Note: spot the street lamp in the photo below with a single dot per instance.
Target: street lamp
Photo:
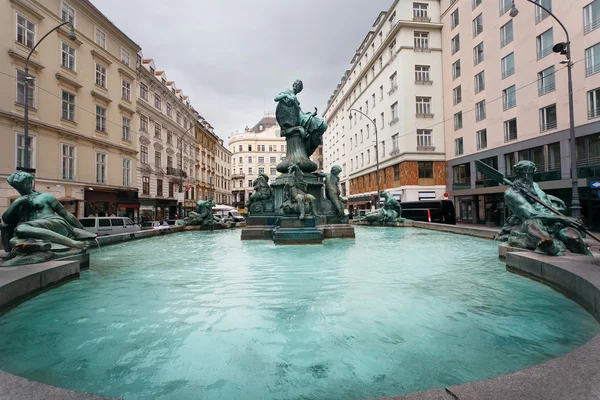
(26, 161)
(376, 149)
(564, 48)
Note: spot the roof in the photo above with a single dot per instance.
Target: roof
(266, 122)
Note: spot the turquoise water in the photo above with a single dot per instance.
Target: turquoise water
(202, 315)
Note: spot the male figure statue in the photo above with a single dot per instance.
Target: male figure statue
(40, 216)
(203, 214)
(297, 188)
(262, 190)
(332, 191)
(540, 228)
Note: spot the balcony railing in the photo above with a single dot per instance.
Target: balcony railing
(544, 52)
(506, 40)
(507, 73)
(508, 104)
(548, 126)
(510, 136)
(395, 151)
(542, 90)
(592, 69)
(238, 176)
(176, 172)
(392, 122)
(591, 26)
(393, 88)
(594, 113)
(582, 162)
(421, 18)
(541, 15)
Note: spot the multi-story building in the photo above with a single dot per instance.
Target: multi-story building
(167, 144)
(395, 78)
(507, 100)
(82, 130)
(254, 151)
(222, 184)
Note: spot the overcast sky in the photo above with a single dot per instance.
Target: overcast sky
(232, 57)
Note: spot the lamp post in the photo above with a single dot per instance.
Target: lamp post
(564, 48)
(376, 150)
(26, 161)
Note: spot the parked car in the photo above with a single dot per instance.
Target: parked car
(159, 225)
(440, 211)
(175, 222)
(227, 212)
(103, 226)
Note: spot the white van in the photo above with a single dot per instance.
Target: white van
(227, 212)
(108, 225)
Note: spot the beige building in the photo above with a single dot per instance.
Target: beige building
(395, 78)
(507, 100)
(254, 151)
(222, 183)
(168, 144)
(83, 132)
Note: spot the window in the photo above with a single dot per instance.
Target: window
(591, 16)
(101, 38)
(505, 5)
(249, 182)
(394, 109)
(458, 146)
(169, 162)
(362, 159)
(273, 171)
(21, 150)
(261, 160)
(481, 139)
(458, 121)
(421, 75)
(159, 187)
(145, 185)
(67, 13)
(68, 106)
(420, 11)
(480, 111)
(272, 160)
(126, 172)
(455, 43)
(540, 14)
(554, 157)
(101, 167)
(382, 120)
(425, 169)
(546, 81)
(125, 89)
(423, 105)
(21, 89)
(250, 170)
(548, 118)
(508, 65)
(476, 3)
(593, 103)
(100, 119)
(424, 138)
(158, 102)
(456, 69)
(544, 43)
(478, 54)
(478, 25)
(381, 92)
(25, 31)
(393, 82)
(592, 60)
(169, 110)
(457, 95)
(392, 49)
(506, 33)
(143, 91)
(250, 160)
(480, 82)
(143, 123)
(68, 161)
(454, 19)
(397, 172)
(421, 40)
(509, 97)
(373, 103)
(510, 130)
(178, 118)
(144, 154)
(395, 147)
(67, 56)
(126, 128)
(125, 56)
(367, 106)
(101, 75)
(157, 159)
(462, 174)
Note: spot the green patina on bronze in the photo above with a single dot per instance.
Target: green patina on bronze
(203, 215)
(536, 222)
(262, 190)
(390, 212)
(36, 222)
(332, 191)
(303, 130)
(298, 200)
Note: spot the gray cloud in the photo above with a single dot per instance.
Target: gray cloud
(233, 56)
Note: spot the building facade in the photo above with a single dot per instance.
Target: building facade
(82, 129)
(507, 100)
(222, 184)
(168, 145)
(395, 78)
(254, 151)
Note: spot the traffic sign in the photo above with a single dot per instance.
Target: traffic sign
(595, 184)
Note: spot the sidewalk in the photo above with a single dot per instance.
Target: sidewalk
(494, 229)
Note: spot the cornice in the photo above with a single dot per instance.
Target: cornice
(102, 57)
(126, 74)
(101, 97)
(29, 8)
(17, 56)
(68, 81)
(126, 109)
(61, 32)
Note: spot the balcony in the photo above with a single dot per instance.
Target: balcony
(548, 126)
(392, 122)
(541, 53)
(542, 90)
(424, 115)
(421, 18)
(395, 151)
(591, 26)
(424, 81)
(393, 89)
(594, 113)
(176, 172)
(238, 176)
(593, 69)
(507, 73)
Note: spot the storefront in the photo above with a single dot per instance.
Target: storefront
(104, 202)
(157, 209)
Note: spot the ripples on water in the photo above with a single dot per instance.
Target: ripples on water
(202, 315)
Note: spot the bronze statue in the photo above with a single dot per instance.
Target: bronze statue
(39, 216)
(390, 212)
(203, 215)
(298, 200)
(303, 130)
(539, 228)
(262, 190)
(332, 191)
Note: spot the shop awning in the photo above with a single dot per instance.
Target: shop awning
(129, 205)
